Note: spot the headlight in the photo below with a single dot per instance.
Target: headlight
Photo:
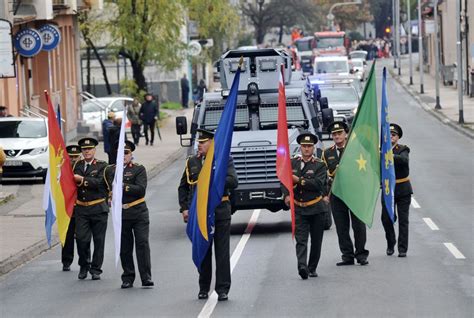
(354, 111)
(38, 151)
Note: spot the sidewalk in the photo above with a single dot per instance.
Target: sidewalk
(449, 112)
(22, 232)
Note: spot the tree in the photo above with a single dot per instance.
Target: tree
(259, 16)
(90, 29)
(148, 31)
(348, 17)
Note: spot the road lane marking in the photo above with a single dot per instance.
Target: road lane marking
(212, 301)
(431, 224)
(454, 250)
(414, 203)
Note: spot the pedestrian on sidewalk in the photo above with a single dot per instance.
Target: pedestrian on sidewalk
(3, 158)
(221, 238)
(135, 219)
(114, 135)
(106, 124)
(133, 115)
(310, 181)
(343, 217)
(402, 198)
(184, 91)
(149, 115)
(91, 209)
(67, 252)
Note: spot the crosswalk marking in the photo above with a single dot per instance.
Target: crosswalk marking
(414, 204)
(454, 250)
(431, 224)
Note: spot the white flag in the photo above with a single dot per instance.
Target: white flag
(117, 189)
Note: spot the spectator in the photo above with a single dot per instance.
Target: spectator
(133, 114)
(184, 91)
(148, 114)
(114, 135)
(201, 88)
(106, 124)
(3, 158)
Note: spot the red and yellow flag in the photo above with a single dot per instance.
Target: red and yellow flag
(63, 187)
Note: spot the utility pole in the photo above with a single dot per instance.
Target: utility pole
(459, 60)
(466, 36)
(409, 40)
(420, 47)
(397, 21)
(394, 32)
(438, 105)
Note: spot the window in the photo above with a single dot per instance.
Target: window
(213, 115)
(269, 115)
(325, 43)
(339, 94)
(332, 67)
(22, 129)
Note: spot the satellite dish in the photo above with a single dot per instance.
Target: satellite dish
(194, 48)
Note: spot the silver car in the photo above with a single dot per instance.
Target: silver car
(343, 99)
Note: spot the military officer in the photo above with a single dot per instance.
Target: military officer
(67, 252)
(135, 218)
(343, 217)
(91, 209)
(403, 192)
(222, 219)
(310, 186)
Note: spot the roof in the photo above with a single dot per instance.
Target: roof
(329, 33)
(330, 58)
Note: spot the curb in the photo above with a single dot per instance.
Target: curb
(438, 115)
(8, 197)
(26, 255)
(42, 246)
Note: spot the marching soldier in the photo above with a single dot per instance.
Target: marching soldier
(343, 217)
(91, 209)
(403, 192)
(135, 219)
(67, 252)
(310, 186)
(222, 219)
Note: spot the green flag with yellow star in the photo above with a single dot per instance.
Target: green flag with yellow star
(357, 180)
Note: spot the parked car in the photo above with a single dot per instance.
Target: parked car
(94, 111)
(25, 143)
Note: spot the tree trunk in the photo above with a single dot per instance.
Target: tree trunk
(102, 66)
(259, 34)
(138, 74)
(88, 69)
(280, 34)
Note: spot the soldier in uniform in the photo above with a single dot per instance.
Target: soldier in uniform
(67, 252)
(403, 192)
(310, 186)
(135, 219)
(343, 217)
(91, 209)
(222, 219)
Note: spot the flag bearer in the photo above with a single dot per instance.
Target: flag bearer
(135, 218)
(221, 239)
(91, 209)
(67, 252)
(343, 217)
(403, 192)
(310, 186)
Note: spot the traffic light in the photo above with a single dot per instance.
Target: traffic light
(388, 30)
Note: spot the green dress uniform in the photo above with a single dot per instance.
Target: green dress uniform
(135, 222)
(221, 240)
(343, 217)
(403, 192)
(67, 251)
(309, 208)
(91, 211)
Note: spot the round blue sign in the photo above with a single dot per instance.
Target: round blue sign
(51, 36)
(28, 42)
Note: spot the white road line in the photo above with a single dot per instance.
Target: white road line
(414, 203)
(212, 301)
(454, 250)
(431, 224)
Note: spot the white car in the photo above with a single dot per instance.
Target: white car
(331, 65)
(94, 111)
(358, 67)
(25, 143)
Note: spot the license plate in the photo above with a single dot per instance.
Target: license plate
(13, 163)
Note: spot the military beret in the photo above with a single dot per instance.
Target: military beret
(204, 135)
(307, 138)
(73, 150)
(396, 129)
(338, 126)
(87, 142)
(128, 145)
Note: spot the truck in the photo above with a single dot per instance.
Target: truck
(330, 43)
(254, 141)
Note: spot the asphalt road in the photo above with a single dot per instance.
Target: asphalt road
(430, 282)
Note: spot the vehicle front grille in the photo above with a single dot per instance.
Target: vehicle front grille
(255, 166)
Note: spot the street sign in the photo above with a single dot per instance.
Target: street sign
(28, 42)
(194, 48)
(51, 36)
(7, 60)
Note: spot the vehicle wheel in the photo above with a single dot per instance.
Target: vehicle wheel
(43, 178)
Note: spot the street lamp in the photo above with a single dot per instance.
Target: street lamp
(409, 40)
(420, 47)
(330, 16)
(437, 105)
